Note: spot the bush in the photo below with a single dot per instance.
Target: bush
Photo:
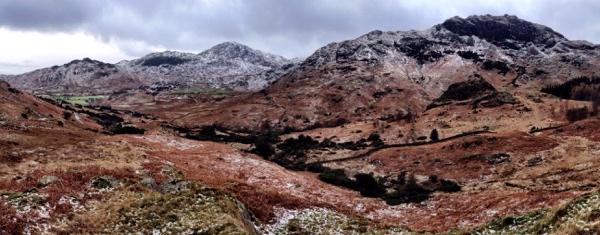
(303, 142)
(67, 115)
(449, 186)
(337, 177)
(368, 186)
(410, 192)
(433, 178)
(263, 148)
(119, 129)
(374, 137)
(576, 114)
(316, 168)
(434, 135)
(595, 106)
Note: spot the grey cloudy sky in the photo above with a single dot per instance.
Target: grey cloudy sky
(41, 33)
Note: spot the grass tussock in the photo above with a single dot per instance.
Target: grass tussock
(262, 202)
(579, 216)
(25, 201)
(199, 210)
(10, 221)
(97, 201)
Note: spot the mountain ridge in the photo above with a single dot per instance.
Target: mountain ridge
(221, 66)
(383, 75)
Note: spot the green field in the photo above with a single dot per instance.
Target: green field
(208, 91)
(81, 100)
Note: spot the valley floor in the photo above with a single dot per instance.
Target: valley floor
(70, 178)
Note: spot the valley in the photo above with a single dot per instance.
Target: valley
(442, 131)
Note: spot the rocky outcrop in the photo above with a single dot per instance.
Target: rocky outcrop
(466, 90)
(477, 91)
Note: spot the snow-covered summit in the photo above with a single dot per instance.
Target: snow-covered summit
(227, 65)
(507, 44)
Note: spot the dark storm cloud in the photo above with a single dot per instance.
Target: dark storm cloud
(289, 28)
(45, 15)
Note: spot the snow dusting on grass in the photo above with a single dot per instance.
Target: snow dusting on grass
(322, 221)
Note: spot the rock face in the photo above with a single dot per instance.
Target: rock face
(227, 66)
(384, 75)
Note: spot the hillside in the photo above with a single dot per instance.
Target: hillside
(388, 75)
(442, 131)
(228, 65)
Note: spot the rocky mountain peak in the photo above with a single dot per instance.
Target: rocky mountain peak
(228, 65)
(235, 51)
(498, 29)
(86, 62)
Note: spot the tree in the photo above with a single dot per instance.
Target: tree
(576, 114)
(368, 186)
(263, 149)
(67, 115)
(434, 135)
(596, 105)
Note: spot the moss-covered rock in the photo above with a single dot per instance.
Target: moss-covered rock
(136, 210)
(105, 182)
(47, 179)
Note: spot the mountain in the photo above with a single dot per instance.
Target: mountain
(388, 75)
(442, 131)
(228, 66)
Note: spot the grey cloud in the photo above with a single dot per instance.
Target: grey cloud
(45, 15)
(289, 28)
(577, 20)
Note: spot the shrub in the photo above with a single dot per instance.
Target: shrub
(337, 177)
(595, 106)
(120, 129)
(316, 168)
(498, 65)
(434, 135)
(433, 178)
(576, 114)
(368, 186)
(410, 192)
(449, 186)
(295, 145)
(374, 137)
(263, 148)
(67, 115)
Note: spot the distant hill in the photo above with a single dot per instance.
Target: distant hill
(228, 65)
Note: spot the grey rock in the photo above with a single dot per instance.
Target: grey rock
(105, 182)
(48, 179)
(171, 186)
(149, 183)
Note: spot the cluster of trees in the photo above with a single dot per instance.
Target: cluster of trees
(581, 88)
(403, 189)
